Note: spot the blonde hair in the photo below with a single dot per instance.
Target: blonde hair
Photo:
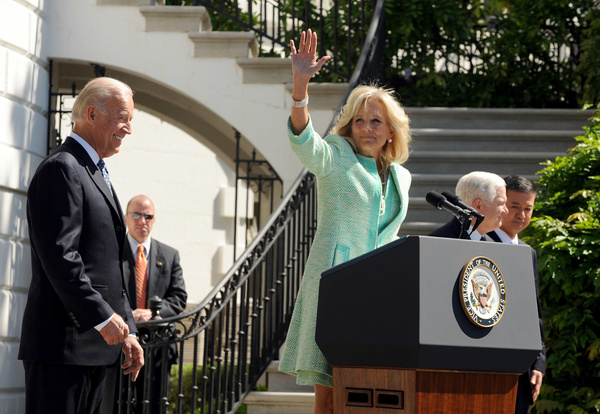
(395, 151)
(98, 92)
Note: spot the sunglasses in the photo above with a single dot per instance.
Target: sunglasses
(137, 216)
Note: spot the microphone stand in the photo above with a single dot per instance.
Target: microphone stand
(466, 223)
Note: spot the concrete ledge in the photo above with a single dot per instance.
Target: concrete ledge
(176, 18)
(488, 156)
(522, 140)
(322, 95)
(499, 118)
(419, 228)
(224, 44)
(496, 133)
(279, 402)
(128, 2)
(277, 381)
(266, 70)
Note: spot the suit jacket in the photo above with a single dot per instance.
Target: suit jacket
(540, 362)
(77, 233)
(451, 230)
(165, 278)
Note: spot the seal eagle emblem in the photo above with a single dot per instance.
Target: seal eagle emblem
(482, 292)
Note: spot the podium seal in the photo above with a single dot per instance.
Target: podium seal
(482, 292)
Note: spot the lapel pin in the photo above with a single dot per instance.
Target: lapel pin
(159, 264)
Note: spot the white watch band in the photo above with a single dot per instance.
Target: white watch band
(299, 104)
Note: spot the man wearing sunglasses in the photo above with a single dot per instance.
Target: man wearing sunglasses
(150, 268)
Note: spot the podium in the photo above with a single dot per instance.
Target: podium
(416, 327)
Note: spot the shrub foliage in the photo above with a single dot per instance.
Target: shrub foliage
(496, 53)
(566, 235)
(492, 53)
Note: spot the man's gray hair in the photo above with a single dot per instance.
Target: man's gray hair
(98, 92)
(479, 184)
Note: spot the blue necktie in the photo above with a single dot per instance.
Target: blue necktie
(102, 167)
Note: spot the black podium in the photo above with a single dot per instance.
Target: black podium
(399, 326)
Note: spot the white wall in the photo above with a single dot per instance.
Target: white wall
(115, 36)
(23, 101)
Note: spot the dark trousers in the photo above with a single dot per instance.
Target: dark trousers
(524, 396)
(119, 388)
(61, 388)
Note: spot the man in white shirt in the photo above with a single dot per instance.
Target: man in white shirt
(521, 195)
(520, 200)
(486, 193)
(159, 274)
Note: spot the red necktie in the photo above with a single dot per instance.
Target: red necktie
(141, 279)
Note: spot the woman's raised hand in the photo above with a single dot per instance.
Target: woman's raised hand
(304, 62)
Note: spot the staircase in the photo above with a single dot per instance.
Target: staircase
(451, 142)
(283, 395)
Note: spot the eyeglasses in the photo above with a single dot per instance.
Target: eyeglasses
(137, 216)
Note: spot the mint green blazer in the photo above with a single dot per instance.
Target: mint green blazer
(348, 214)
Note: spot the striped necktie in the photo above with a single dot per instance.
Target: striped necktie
(102, 167)
(141, 278)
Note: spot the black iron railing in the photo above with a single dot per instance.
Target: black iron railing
(228, 340)
(341, 26)
(259, 178)
(226, 343)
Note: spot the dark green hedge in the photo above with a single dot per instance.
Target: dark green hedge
(475, 53)
(565, 232)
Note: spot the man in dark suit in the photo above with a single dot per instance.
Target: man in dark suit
(520, 201)
(78, 319)
(486, 193)
(161, 275)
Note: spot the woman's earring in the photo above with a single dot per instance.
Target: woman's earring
(389, 140)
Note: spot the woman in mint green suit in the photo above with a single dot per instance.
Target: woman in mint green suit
(362, 198)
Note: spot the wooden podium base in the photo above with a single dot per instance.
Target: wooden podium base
(361, 390)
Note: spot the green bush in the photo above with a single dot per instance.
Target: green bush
(188, 381)
(566, 235)
(474, 53)
(499, 53)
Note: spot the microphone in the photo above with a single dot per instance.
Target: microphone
(454, 199)
(439, 201)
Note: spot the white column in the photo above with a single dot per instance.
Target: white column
(23, 106)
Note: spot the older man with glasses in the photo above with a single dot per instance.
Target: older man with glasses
(150, 268)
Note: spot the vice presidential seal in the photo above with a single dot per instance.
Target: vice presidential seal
(482, 292)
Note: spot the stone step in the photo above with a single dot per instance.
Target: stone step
(459, 162)
(176, 19)
(419, 210)
(260, 402)
(266, 70)
(438, 139)
(224, 44)
(424, 183)
(277, 381)
(418, 228)
(499, 118)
